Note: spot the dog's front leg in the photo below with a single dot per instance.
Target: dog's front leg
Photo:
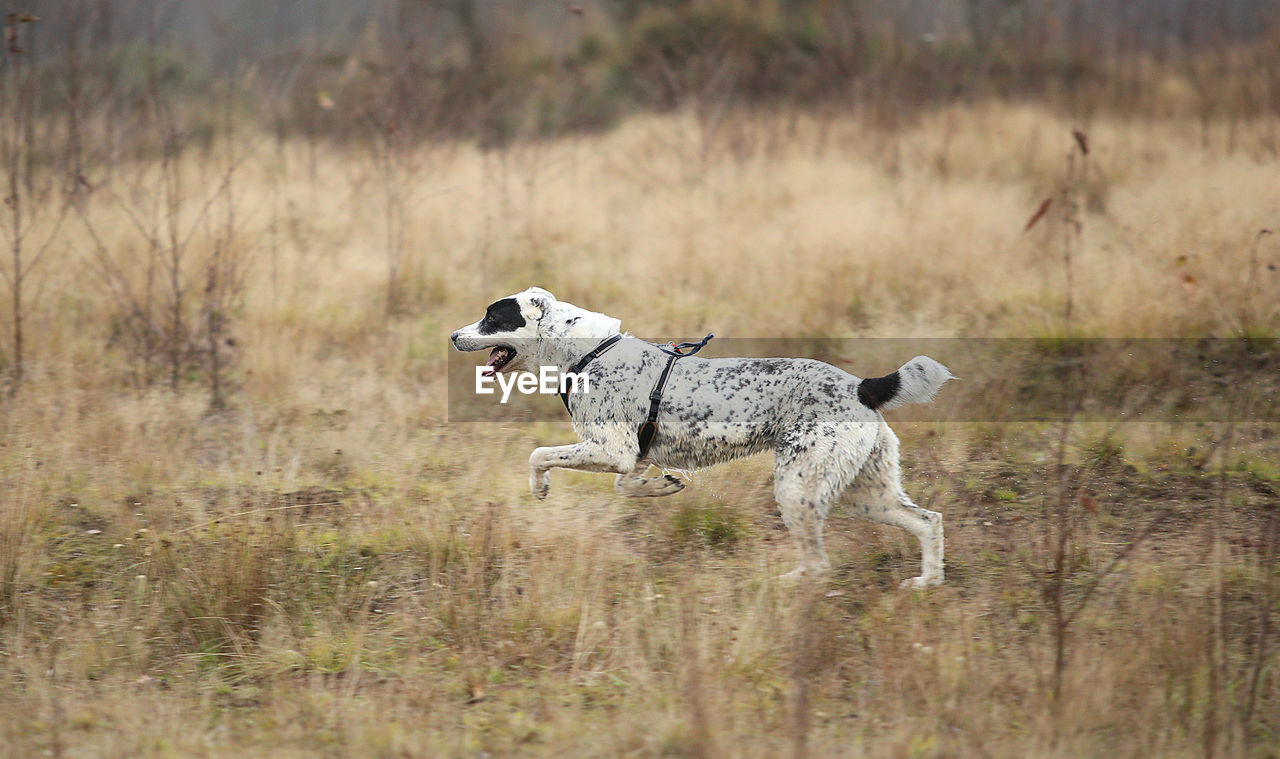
(587, 456)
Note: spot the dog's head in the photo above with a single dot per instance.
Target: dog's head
(519, 327)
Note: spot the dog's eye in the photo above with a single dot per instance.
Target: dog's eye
(574, 320)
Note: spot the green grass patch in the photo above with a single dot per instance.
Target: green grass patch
(716, 527)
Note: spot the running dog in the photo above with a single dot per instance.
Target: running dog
(824, 425)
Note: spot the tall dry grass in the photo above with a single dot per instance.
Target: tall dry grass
(326, 566)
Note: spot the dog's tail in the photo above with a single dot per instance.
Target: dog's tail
(916, 381)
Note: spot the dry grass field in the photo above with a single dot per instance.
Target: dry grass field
(325, 566)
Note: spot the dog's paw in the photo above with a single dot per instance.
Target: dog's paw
(788, 578)
(802, 573)
(652, 487)
(668, 484)
(660, 486)
(539, 483)
(921, 582)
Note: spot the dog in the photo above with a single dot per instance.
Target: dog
(824, 425)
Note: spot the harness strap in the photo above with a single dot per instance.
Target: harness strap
(649, 428)
(581, 364)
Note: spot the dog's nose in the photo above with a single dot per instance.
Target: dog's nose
(454, 338)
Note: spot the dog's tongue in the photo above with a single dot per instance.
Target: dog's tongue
(494, 358)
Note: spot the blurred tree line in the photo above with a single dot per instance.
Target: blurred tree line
(497, 70)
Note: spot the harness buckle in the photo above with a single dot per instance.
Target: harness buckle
(678, 349)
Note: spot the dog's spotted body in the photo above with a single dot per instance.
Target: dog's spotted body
(831, 443)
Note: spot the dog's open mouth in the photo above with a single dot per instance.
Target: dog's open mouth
(500, 357)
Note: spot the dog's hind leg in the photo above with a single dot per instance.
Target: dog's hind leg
(815, 461)
(894, 507)
(804, 498)
(587, 456)
(635, 485)
(877, 495)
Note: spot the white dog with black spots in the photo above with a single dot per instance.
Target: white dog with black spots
(830, 441)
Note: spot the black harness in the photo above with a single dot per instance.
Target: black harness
(649, 428)
(581, 364)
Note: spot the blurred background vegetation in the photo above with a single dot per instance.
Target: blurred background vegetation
(500, 70)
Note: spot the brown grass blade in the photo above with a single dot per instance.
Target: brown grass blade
(1039, 214)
